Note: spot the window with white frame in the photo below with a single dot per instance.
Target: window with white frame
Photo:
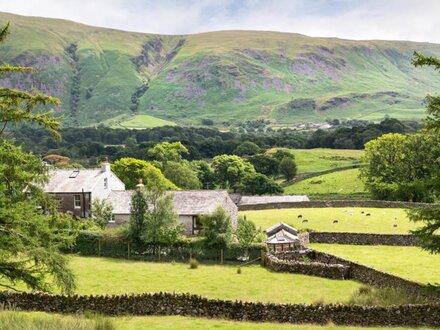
(77, 201)
(105, 183)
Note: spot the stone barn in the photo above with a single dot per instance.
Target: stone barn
(188, 204)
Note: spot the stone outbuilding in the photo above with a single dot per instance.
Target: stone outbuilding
(282, 237)
(188, 204)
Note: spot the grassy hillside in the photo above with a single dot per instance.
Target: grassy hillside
(322, 159)
(101, 74)
(341, 183)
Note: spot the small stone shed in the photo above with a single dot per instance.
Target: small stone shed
(282, 237)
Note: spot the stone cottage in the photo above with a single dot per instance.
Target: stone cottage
(188, 204)
(76, 188)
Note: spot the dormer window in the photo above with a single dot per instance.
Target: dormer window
(105, 183)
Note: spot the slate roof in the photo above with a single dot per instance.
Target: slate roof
(255, 200)
(280, 226)
(283, 236)
(186, 202)
(71, 181)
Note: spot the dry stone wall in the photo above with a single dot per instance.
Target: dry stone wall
(363, 239)
(196, 306)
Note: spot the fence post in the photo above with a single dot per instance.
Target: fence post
(99, 248)
(221, 256)
(128, 250)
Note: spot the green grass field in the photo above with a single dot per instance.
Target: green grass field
(143, 121)
(349, 219)
(341, 183)
(321, 159)
(408, 262)
(113, 276)
(11, 320)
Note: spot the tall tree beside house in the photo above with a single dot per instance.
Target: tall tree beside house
(138, 210)
(217, 228)
(160, 222)
(181, 174)
(101, 212)
(230, 170)
(32, 230)
(129, 170)
(246, 233)
(258, 184)
(429, 219)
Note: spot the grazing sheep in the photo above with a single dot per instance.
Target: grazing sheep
(395, 218)
(335, 221)
(300, 216)
(368, 214)
(305, 221)
(395, 225)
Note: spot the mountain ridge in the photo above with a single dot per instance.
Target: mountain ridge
(108, 76)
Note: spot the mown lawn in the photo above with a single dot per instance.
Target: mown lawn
(255, 283)
(349, 219)
(408, 262)
(343, 183)
(322, 159)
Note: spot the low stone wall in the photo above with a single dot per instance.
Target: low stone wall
(363, 239)
(196, 306)
(336, 203)
(313, 268)
(374, 277)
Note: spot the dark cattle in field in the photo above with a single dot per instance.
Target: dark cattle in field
(395, 225)
(368, 214)
(362, 212)
(335, 221)
(300, 216)
(305, 220)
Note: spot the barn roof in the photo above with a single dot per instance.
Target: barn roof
(186, 202)
(254, 200)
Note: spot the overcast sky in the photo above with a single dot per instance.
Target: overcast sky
(417, 20)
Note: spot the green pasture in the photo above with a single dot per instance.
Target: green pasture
(143, 121)
(408, 262)
(322, 159)
(341, 183)
(255, 283)
(350, 219)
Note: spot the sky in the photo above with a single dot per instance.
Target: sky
(415, 20)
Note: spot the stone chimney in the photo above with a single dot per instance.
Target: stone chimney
(105, 165)
(140, 185)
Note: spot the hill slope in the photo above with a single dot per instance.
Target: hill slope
(100, 74)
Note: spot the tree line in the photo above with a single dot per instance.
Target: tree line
(89, 145)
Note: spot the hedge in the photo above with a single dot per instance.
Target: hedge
(89, 243)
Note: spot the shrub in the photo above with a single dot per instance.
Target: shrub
(193, 263)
